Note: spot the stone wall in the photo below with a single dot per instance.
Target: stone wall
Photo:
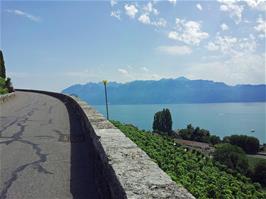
(138, 175)
(128, 172)
(4, 98)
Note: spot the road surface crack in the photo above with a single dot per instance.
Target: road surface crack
(17, 137)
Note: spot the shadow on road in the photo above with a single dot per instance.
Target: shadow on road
(83, 174)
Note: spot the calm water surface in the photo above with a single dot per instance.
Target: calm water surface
(219, 118)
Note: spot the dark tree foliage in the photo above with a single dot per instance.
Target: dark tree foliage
(2, 66)
(9, 85)
(5, 83)
(215, 139)
(260, 173)
(247, 143)
(187, 133)
(163, 122)
(199, 135)
(232, 156)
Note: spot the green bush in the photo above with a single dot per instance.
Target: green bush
(248, 143)
(260, 173)
(5, 84)
(231, 156)
(3, 91)
(8, 85)
(199, 135)
(215, 139)
(2, 82)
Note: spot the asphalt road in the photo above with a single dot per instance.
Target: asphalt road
(37, 160)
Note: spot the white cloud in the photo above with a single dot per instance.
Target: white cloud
(131, 10)
(145, 69)
(24, 14)
(160, 22)
(188, 32)
(172, 1)
(148, 8)
(199, 6)
(224, 27)
(116, 14)
(142, 73)
(257, 4)
(243, 69)
(233, 46)
(155, 11)
(261, 27)
(113, 2)
(175, 50)
(233, 8)
(156, 77)
(123, 71)
(212, 46)
(144, 18)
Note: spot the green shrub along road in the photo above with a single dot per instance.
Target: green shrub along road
(5, 82)
(197, 173)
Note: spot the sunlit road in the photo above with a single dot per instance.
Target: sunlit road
(37, 160)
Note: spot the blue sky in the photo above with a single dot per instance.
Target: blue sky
(53, 44)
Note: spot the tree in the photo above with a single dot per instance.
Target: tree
(198, 134)
(248, 143)
(163, 121)
(9, 85)
(260, 173)
(215, 139)
(5, 84)
(3, 89)
(157, 121)
(2, 66)
(187, 133)
(232, 156)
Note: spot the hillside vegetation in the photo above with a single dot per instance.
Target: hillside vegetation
(200, 175)
(5, 82)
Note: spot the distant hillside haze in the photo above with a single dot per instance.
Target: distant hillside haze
(168, 91)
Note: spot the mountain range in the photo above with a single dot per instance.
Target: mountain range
(168, 91)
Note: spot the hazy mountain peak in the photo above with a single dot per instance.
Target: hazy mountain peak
(182, 78)
(168, 91)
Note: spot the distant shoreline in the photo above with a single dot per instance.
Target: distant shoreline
(180, 103)
(221, 119)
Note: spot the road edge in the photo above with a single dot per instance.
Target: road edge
(6, 97)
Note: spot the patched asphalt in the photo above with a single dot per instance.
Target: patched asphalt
(43, 151)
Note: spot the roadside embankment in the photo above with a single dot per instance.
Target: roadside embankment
(6, 97)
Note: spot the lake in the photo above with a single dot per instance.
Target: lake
(221, 119)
